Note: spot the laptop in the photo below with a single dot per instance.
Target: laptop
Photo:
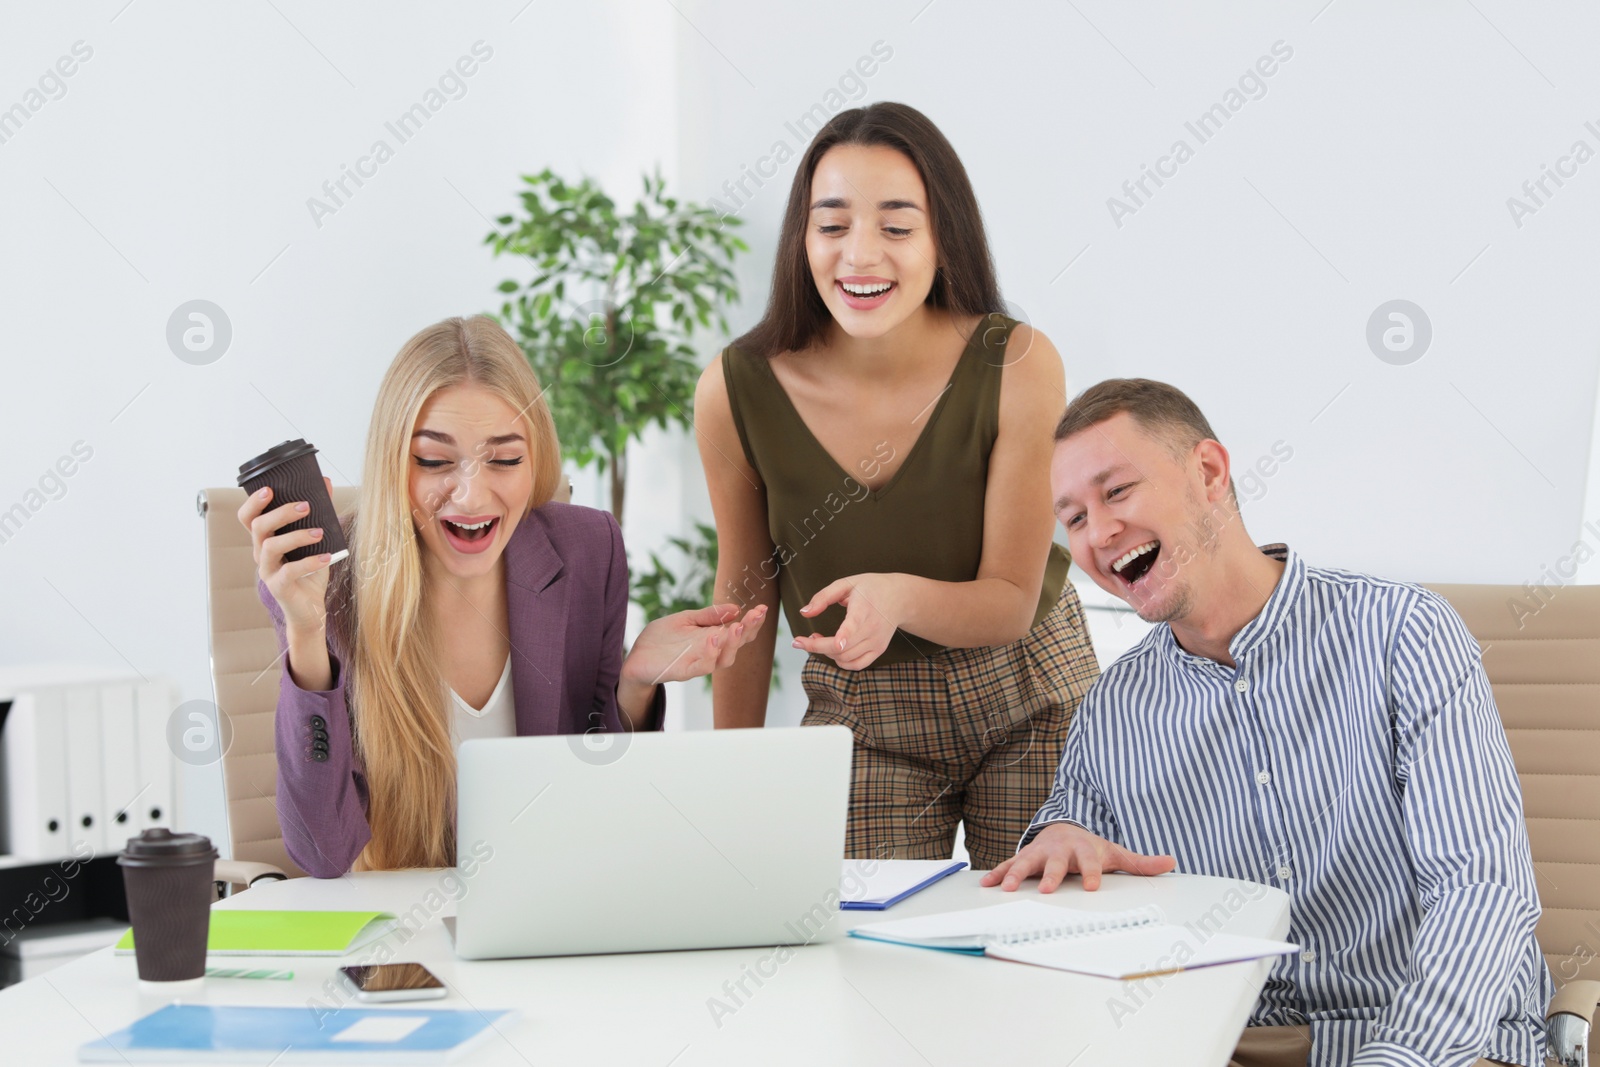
(644, 842)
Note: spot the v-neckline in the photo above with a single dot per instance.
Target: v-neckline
(499, 687)
(937, 404)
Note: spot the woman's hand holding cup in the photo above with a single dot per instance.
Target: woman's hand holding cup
(301, 587)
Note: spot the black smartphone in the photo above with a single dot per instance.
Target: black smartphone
(393, 981)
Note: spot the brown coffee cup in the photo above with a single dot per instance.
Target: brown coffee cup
(291, 470)
(168, 878)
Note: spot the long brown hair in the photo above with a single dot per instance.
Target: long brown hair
(964, 282)
(378, 606)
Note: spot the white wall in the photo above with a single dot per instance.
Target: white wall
(1376, 166)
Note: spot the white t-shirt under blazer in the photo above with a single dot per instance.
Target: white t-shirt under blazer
(497, 718)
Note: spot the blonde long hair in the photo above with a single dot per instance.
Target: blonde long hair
(379, 606)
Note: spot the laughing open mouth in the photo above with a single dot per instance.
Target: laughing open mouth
(476, 531)
(1137, 562)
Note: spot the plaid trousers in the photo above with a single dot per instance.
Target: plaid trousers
(969, 735)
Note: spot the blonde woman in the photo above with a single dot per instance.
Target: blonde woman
(473, 605)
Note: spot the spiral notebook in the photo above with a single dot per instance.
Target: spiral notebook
(1136, 943)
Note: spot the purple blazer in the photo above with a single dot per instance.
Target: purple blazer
(567, 599)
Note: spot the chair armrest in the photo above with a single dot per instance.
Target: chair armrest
(244, 872)
(1567, 1022)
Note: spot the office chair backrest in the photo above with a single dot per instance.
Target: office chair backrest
(1542, 654)
(245, 673)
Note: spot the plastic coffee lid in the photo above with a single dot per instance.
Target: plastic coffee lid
(272, 457)
(160, 847)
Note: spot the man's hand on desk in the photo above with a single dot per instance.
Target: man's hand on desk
(1062, 848)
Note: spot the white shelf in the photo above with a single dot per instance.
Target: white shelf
(8, 861)
(75, 938)
(20, 677)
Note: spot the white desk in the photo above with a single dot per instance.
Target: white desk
(845, 1001)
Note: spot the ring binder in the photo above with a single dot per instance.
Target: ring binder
(1099, 924)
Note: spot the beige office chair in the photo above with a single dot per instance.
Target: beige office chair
(1542, 656)
(244, 678)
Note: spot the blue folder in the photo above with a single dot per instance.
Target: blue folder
(201, 1033)
(880, 905)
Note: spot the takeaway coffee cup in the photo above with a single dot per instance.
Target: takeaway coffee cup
(168, 880)
(292, 472)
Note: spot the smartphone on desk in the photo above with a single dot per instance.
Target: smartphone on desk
(386, 982)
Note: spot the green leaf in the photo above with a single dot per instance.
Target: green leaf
(665, 267)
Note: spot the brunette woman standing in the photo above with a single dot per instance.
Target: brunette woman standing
(878, 450)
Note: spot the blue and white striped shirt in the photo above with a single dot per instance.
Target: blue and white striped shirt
(1354, 759)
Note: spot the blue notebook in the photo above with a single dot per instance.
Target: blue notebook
(890, 882)
(195, 1033)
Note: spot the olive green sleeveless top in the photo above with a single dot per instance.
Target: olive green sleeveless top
(926, 520)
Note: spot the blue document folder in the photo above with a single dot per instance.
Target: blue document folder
(891, 881)
(193, 1033)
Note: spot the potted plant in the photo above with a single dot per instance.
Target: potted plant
(608, 316)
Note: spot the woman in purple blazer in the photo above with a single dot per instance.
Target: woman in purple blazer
(472, 605)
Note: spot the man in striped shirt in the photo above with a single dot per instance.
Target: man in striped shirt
(1325, 732)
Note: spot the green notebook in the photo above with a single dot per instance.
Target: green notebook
(241, 932)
